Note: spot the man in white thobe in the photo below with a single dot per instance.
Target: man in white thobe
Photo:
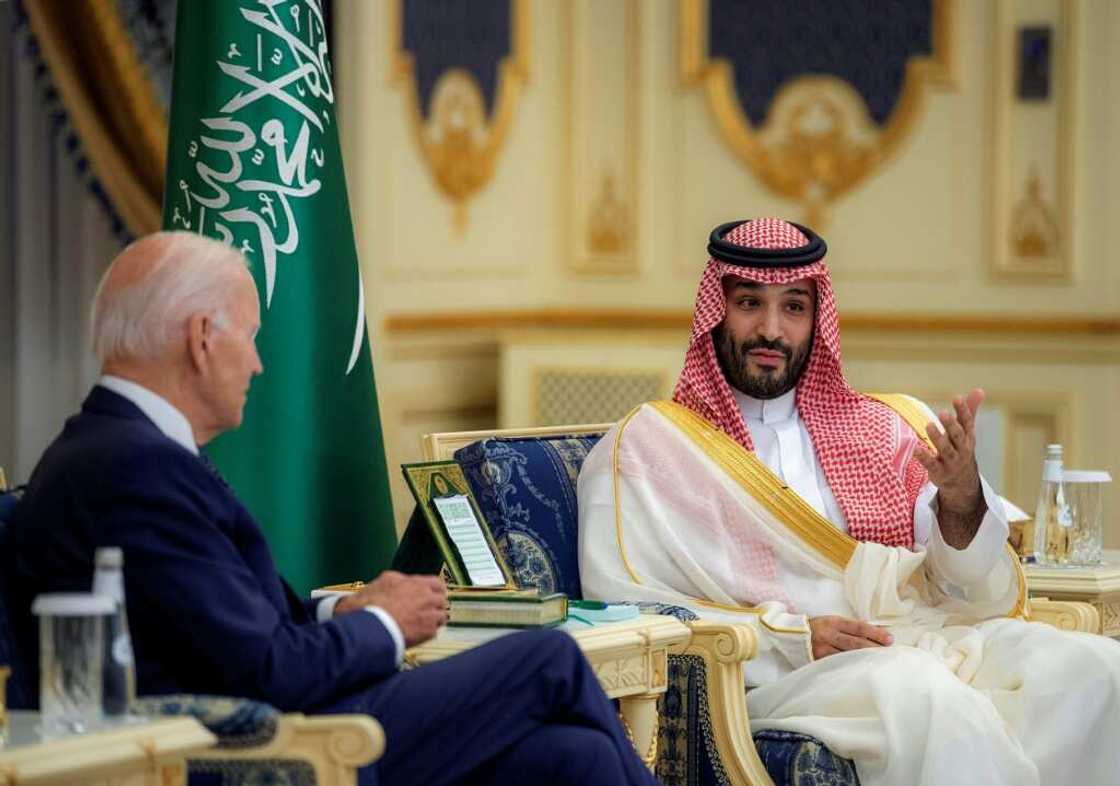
(854, 534)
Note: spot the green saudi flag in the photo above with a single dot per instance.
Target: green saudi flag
(253, 159)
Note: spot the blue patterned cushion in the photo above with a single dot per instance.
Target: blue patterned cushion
(526, 488)
(252, 772)
(19, 693)
(798, 760)
(238, 723)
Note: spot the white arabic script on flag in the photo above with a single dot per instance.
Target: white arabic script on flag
(248, 173)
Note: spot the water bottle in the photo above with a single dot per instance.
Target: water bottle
(118, 675)
(1052, 520)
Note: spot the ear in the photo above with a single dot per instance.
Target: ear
(200, 338)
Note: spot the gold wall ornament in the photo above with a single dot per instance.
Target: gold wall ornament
(459, 142)
(1034, 233)
(608, 227)
(818, 141)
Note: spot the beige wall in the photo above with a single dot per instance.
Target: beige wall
(925, 233)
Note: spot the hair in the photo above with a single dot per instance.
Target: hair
(187, 274)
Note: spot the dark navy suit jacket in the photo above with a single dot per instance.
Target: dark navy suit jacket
(207, 610)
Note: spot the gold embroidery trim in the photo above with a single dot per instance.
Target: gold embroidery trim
(757, 612)
(756, 479)
(617, 499)
(917, 418)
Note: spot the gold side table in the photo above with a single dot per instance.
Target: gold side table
(148, 753)
(1098, 586)
(630, 658)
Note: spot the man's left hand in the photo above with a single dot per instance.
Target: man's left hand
(953, 469)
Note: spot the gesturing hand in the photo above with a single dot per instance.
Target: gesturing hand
(953, 469)
(840, 634)
(417, 603)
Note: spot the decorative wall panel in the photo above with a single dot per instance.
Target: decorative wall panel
(565, 396)
(815, 98)
(603, 122)
(462, 67)
(1034, 151)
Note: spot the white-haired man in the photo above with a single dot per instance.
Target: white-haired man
(174, 323)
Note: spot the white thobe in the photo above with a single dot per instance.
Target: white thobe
(782, 443)
(668, 515)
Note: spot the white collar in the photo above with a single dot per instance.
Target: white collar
(769, 411)
(159, 410)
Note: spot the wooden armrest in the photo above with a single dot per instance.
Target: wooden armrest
(1065, 614)
(724, 647)
(334, 745)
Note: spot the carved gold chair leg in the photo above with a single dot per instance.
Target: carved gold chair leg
(724, 648)
(639, 719)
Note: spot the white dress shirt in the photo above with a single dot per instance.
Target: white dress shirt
(177, 428)
(782, 443)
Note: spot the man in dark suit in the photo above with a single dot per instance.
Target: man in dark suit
(174, 322)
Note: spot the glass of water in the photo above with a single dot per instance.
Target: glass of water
(1084, 491)
(71, 627)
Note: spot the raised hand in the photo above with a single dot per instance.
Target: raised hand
(953, 469)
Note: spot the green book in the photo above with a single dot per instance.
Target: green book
(507, 609)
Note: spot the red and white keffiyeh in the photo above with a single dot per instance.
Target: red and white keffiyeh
(865, 449)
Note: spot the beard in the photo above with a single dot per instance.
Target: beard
(765, 384)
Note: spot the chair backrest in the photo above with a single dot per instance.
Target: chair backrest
(525, 484)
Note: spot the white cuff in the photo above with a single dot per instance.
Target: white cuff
(325, 610)
(393, 628)
(966, 566)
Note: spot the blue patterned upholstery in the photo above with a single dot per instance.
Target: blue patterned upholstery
(237, 723)
(526, 489)
(799, 759)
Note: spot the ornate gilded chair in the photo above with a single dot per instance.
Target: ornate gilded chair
(525, 484)
(256, 743)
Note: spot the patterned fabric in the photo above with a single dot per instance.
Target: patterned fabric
(798, 760)
(865, 450)
(238, 723)
(526, 489)
(250, 772)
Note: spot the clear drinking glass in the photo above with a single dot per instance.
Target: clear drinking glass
(1084, 491)
(71, 627)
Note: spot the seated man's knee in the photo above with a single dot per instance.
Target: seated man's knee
(927, 682)
(572, 755)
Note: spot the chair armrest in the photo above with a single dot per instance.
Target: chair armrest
(723, 648)
(665, 609)
(236, 722)
(1065, 614)
(332, 747)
